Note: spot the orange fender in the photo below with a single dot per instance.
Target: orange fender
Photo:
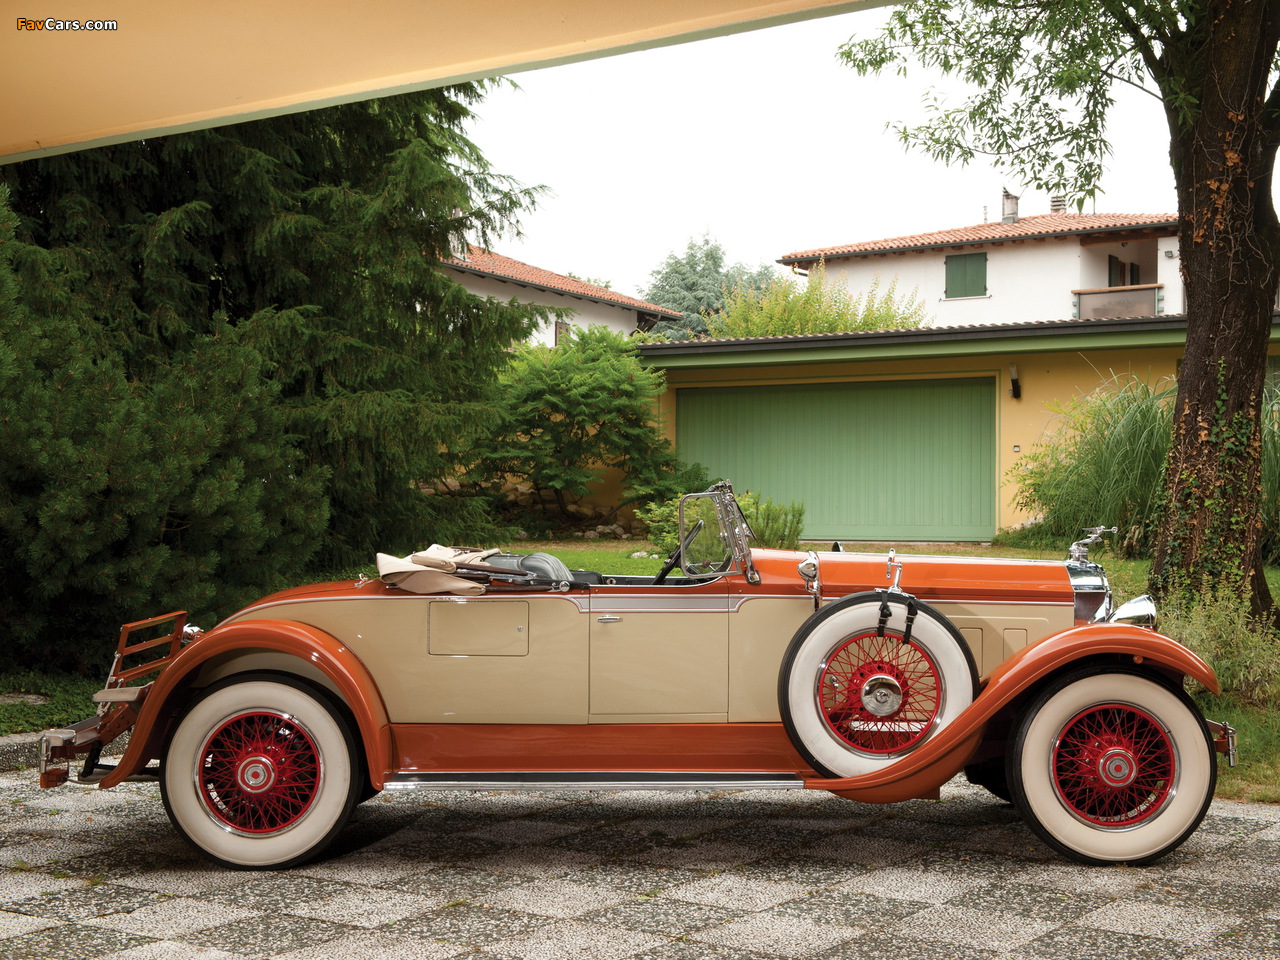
(941, 757)
(333, 658)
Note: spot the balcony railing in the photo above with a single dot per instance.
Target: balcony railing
(1139, 300)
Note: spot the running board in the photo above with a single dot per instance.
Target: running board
(571, 780)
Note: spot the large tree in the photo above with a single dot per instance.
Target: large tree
(227, 352)
(695, 283)
(1041, 74)
(317, 237)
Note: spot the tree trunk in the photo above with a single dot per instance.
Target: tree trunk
(1223, 155)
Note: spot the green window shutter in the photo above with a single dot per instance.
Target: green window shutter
(1115, 272)
(966, 275)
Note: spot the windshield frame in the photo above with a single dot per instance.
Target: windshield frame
(734, 531)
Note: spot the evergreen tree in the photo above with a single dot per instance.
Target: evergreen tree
(226, 353)
(316, 238)
(122, 495)
(695, 284)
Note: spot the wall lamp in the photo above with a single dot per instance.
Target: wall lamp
(1015, 388)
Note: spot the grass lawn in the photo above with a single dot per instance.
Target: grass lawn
(1256, 777)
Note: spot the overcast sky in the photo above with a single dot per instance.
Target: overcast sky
(762, 140)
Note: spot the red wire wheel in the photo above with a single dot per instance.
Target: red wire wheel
(1114, 766)
(879, 695)
(259, 772)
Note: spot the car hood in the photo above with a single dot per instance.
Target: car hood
(931, 578)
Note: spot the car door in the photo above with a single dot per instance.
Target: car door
(659, 654)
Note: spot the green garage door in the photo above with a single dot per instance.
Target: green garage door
(902, 460)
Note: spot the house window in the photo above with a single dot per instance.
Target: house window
(562, 331)
(1115, 272)
(1133, 275)
(966, 275)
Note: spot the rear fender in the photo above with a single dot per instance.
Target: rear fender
(940, 758)
(316, 650)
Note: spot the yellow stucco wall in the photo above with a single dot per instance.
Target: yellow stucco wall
(1048, 380)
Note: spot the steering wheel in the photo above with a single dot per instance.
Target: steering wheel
(677, 552)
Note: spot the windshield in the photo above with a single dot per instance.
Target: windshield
(714, 534)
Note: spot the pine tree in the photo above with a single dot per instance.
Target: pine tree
(318, 236)
(252, 353)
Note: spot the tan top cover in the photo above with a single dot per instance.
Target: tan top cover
(431, 570)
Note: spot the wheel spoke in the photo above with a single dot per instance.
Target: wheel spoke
(260, 772)
(1114, 766)
(879, 694)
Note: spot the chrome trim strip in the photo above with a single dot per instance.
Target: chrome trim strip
(631, 603)
(569, 780)
(827, 598)
(401, 597)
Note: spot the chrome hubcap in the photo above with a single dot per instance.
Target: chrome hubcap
(881, 695)
(1117, 767)
(256, 775)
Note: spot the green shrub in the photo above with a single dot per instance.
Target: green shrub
(773, 524)
(572, 412)
(1241, 650)
(1102, 465)
(785, 306)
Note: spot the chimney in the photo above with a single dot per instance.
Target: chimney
(1009, 208)
(1058, 204)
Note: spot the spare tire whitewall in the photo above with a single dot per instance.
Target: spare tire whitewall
(1112, 767)
(261, 771)
(854, 701)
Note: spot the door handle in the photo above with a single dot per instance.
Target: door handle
(608, 618)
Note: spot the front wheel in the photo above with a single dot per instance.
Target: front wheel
(260, 772)
(1112, 767)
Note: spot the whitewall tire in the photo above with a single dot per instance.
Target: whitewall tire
(1112, 767)
(854, 701)
(260, 772)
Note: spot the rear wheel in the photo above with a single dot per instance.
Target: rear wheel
(1112, 767)
(855, 698)
(260, 772)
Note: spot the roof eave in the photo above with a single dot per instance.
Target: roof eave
(652, 309)
(793, 260)
(1046, 337)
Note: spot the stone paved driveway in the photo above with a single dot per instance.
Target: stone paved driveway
(652, 875)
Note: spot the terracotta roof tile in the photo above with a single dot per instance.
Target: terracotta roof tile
(1043, 225)
(488, 263)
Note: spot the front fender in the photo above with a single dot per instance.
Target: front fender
(941, 757)
(313, 646)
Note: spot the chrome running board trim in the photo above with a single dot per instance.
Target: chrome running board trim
(570, 780)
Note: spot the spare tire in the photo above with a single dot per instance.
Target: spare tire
(855, 696)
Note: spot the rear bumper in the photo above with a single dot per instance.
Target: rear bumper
(1224, 740)
(136, 660)
(59, 747)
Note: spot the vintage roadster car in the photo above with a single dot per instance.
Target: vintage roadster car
(876, 677)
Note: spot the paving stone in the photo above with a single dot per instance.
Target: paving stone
(650, 875)
(1086, 943)
(268, 935)
(772, 932)
(70, 942)
(664, 915)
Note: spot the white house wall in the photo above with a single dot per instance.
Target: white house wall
(1027, 280)
(1169, 265)
(586, 313)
